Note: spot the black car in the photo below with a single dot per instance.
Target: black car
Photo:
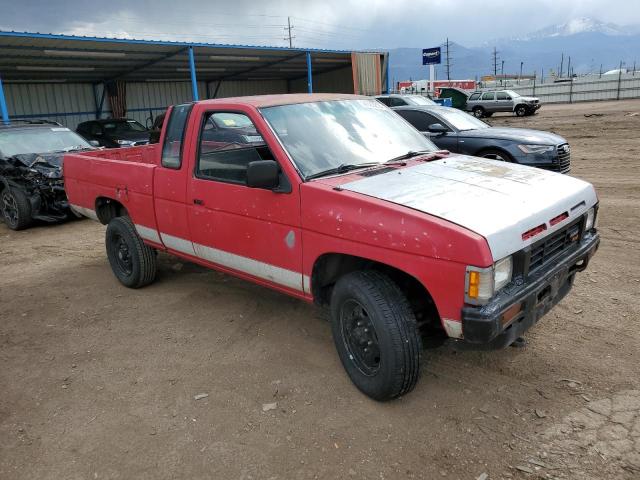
(459, 132)
(31, 185)
(114, 133)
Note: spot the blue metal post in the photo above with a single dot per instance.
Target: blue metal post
(3, 106)
(388, 79)
(309, 73)
(194, 82)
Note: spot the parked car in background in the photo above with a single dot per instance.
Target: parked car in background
(397, 100)
(485, 104)
(459, 132)
(31, 185)
(333, 199)
(114, 133)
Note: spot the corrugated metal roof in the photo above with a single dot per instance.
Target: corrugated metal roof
(50, 57)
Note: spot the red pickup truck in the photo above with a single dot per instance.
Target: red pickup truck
(335, 199)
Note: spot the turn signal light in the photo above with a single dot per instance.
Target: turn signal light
(474, 284)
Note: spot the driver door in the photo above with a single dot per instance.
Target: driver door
(252, 232)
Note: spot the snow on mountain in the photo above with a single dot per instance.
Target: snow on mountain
(580, 25)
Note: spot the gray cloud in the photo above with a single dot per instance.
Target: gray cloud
(324, 24)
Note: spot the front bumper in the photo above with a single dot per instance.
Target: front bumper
(498, 323)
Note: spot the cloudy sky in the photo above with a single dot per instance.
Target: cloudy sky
(321, 24)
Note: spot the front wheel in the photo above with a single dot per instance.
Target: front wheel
(495, 154)
(375, 333)
(16, 209)
(521, 110)
(132, 261)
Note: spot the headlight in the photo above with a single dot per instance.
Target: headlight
(125, 142)
(536, 148)
(484, 283)
(591, 216)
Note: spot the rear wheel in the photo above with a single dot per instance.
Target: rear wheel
(488, 114)
(521, 110)
(133, 263)
(496, 154)
(16, 209)
(478, 112)
(375, 333)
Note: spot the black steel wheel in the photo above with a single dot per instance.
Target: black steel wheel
(375, 333)
(16, 209)
(132, 261)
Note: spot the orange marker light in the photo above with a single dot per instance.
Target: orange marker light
(474, 283)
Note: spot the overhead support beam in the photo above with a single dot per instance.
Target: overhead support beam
(148, 64)
(3, 106)
(194, 80)
(309, 74)
(264, 65)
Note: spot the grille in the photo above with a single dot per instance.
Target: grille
(548, 248)
(564, 158)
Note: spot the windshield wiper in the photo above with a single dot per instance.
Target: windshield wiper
(432, 154)
(344, 168)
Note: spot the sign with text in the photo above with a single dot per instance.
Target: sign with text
(431, 56)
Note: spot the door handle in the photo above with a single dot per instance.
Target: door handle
(197, 201)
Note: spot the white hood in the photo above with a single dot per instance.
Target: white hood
(497, 200)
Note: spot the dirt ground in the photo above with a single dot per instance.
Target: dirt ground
(98, 381)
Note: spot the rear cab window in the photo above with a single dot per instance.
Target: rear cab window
(174, 137)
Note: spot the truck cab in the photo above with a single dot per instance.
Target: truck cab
(335, 199)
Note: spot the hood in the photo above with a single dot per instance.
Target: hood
(528, 99)
(497, 200)
(48, 164)
(523, 135)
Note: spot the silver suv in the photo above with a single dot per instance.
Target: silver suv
(485, 104)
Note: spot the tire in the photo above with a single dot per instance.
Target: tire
(521, 110)
(133, 263)
(16, 209)
(478, 112)
(488, 114)
(496, 154)
(369, 311)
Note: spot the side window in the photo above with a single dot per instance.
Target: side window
(95, 128)
(475, 96)
(502, 96)
(172, 148)
(489, 96)
(229, 141)
(397, 102)
(385, 100)
(419, 120)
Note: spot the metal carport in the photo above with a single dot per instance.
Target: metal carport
(72, 79)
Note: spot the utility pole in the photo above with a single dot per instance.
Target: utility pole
(561, 66)
(569, 67)
(502, 73)
(448, 62)
(289, 36)
(520, 77)
(495, 62)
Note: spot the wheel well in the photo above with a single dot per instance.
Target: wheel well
(478, 107)
(107, 209)
(329, 267)
(483, 151)
(521, 105)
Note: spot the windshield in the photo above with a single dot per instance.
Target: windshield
(123, 126)
(418, 100)
(461, 120)
(512, 94)
(323, 135)
(40, 140)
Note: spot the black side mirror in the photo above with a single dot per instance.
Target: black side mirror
(263, 174)
(437, 128)
(94, 143)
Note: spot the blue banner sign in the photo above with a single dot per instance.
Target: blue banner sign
(431, 56)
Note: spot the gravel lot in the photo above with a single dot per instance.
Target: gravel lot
(98, 381)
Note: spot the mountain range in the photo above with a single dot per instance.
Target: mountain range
(589, 42)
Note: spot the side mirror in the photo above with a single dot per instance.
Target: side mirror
(94, 143)
(437, 128)
(263, 174)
